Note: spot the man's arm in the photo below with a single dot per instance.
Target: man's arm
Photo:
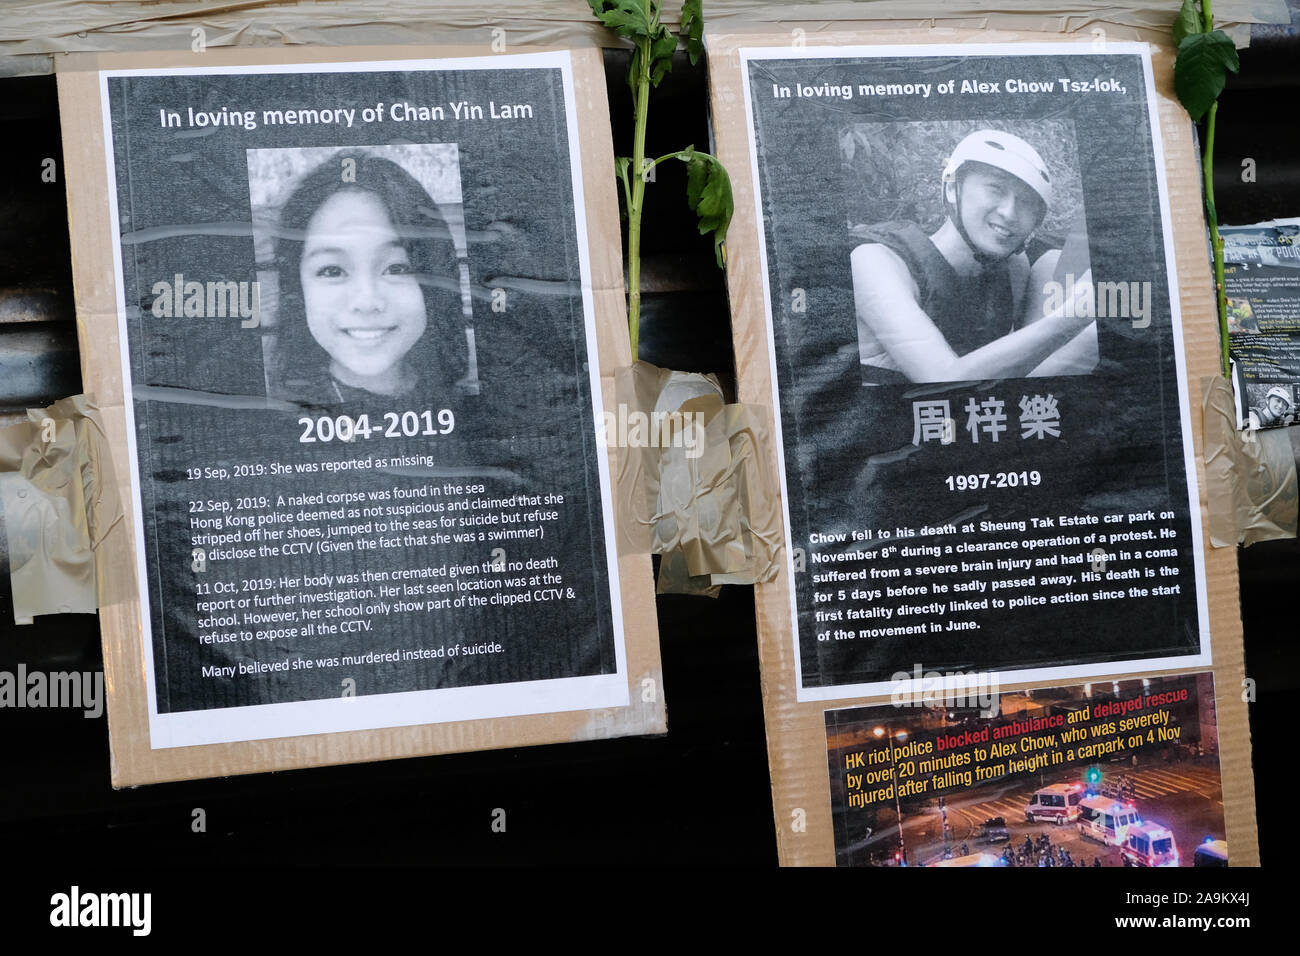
(1077, 357)
(884, 296)
(1041, 273)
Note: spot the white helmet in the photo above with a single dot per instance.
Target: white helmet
(1003, 151)
(1278, 391)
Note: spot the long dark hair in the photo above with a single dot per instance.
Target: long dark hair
(439, 357)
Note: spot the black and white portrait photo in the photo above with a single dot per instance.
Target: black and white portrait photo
(1270, 405)
(972, 252)
(363, 249)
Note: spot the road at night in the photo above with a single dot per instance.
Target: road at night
(1186, 797)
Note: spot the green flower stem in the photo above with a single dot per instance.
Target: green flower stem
(627, 188)
(641, 94)
(1216, 241)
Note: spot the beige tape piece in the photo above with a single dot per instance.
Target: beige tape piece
(1250, 476)
(762, 530)
(33, 34)
(60, 503)
(691, 481)
(675, 578)
(664, 459)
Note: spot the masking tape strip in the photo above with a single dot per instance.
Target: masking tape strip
(1250, 476)
(762, 529)
(34, 34)
(60, 503)
(675, 578)
(691, 480)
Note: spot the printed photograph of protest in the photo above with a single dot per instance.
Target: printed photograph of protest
(1112, 773)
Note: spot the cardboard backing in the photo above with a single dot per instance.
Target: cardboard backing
(37, 34)
(796, 732)
(92, 235)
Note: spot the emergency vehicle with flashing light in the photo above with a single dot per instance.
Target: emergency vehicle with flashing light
(1149, 844)
(1211, 853)
(1058, 803)
(1107, 820)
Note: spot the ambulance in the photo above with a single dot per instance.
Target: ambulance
(1058, 803)
(1149, 844)
(1107, 820)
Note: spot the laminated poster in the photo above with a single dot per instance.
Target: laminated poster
(986, 454)
(1262, 285)
(361, 377)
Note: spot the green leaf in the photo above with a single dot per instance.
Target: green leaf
(1188, 22)
(625, 17)
(662, 46)
(708, 193)
(693, 28)
(634, 73)
(1200, 70)
(621, 165)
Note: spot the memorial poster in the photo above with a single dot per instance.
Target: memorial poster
(976, 350)
(361, 383)
(1262, 285)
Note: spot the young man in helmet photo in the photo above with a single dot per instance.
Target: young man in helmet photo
(964, 302)
(1276, 408)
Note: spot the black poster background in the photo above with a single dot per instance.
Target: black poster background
(183, 202)
(849, 458)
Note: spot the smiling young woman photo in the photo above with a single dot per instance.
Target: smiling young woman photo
(370, 301)
(965, 302)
